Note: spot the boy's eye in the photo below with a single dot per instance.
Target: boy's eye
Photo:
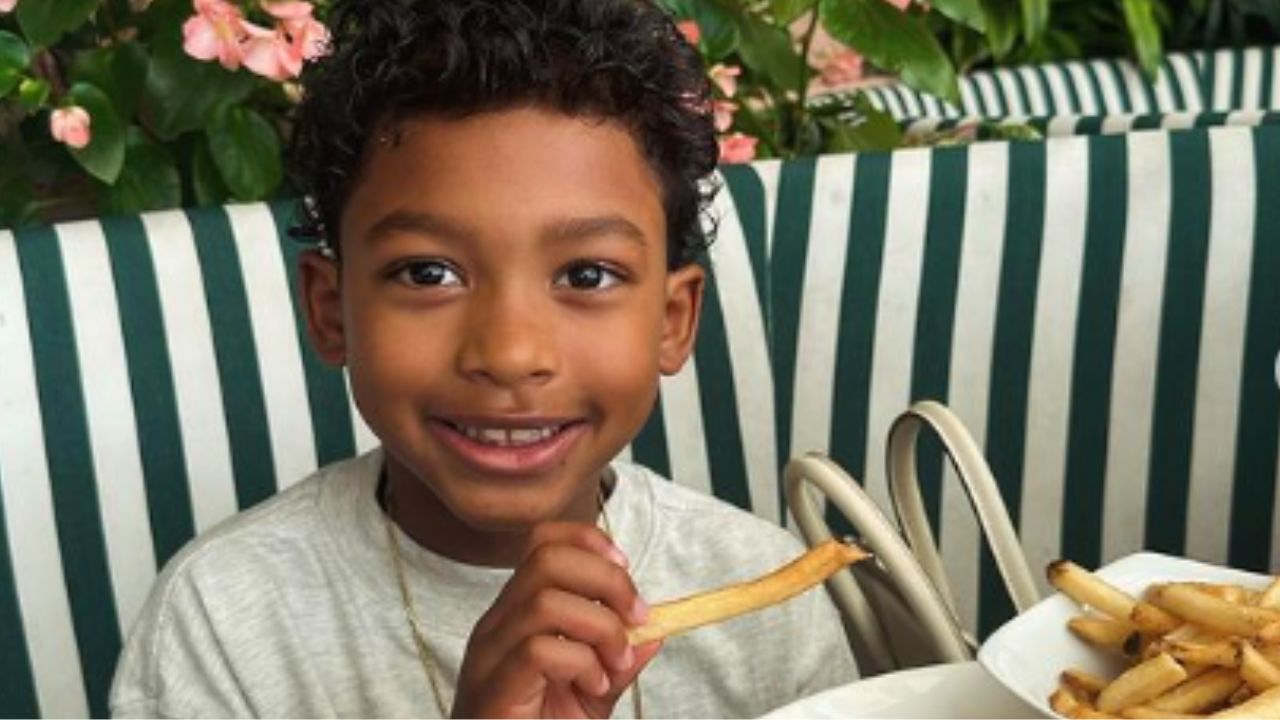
(427, 273)
(588, 276)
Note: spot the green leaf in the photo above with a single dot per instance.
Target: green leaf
(1139, 15)
(33, 93)
(17, 202)
(120, 71)
(9, 79)
(184, 94)
(205, 180)
(718, 25)
(14, 53)
(1002, 27)
(103, 157)
(787, 11)
(148, 181)
(678, 8)
(44, 21)
(894, 41)
(966, 12)
(767, 50)
(874, 130)
(1035, 19)
(246, 151)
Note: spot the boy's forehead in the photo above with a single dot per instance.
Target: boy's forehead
(522, 164)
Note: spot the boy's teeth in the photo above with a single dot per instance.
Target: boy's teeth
(504, 438)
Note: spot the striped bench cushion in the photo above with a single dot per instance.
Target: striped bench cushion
(1101, 311)
(1222, 80)
(157, 380)
(1058, 125)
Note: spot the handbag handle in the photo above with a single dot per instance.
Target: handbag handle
(980, 486)
(881, 537)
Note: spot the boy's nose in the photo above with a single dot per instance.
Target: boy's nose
(508, 341)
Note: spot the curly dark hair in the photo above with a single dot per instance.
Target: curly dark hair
(620, 60)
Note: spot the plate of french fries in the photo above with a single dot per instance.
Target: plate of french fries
(1146, 636)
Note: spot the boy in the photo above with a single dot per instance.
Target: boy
(508, 196)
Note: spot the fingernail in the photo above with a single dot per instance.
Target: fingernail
(602, 687)
(616, 556)
(639, 611)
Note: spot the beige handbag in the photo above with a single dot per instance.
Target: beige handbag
(899, 610)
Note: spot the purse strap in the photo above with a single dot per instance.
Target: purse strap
(978, 483)
(913, 564)
(881, 537)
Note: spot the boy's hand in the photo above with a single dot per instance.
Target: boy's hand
(554, 643)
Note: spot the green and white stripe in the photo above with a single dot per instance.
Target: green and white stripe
(1102, 316)
(1224, 80)
(40, 655)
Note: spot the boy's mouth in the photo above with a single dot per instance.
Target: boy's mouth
(509, 447)
(508, 437)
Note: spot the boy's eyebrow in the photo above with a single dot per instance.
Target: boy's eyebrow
(581, 228)
(574, 228)
(417, 223)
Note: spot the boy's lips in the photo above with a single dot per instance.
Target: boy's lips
(524, 446)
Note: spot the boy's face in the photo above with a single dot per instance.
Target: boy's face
(504, 309)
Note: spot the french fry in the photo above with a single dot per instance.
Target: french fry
(1270, 598)
(1200, 693)
(1270, 635)
(1153, 620)
(1242, 693)
(815, 566)
(1270, 652)
(1101, 631)
(1223, 653)
(1256, 670)
(1090, 590)
(1082, 682)
(1067, 703)
(1064, 701)
(1141, 683)
(1191, 604)
(1230, 593)
(1194, 648)
(1262, 705)
(1142, 712)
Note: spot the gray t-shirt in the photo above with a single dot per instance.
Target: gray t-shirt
(291, 609)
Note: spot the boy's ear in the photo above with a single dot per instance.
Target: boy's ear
(322, 304)
(680, 323)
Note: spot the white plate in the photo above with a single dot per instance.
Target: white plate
(1028, 653)
(958, 690)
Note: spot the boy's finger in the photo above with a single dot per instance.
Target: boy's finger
(527, 674)
(554, 612)
(586, 537)
(578, 572)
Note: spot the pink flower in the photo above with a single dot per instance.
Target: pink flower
(900, 4)
(309, 36)
(215, 31)
(270, 54)
(842, 67)
(726, 78)
(690, 30)
(737, 148)
(723, 110)
(70, 125)
(6, 6)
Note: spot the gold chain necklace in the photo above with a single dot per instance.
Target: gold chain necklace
(425, 657)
